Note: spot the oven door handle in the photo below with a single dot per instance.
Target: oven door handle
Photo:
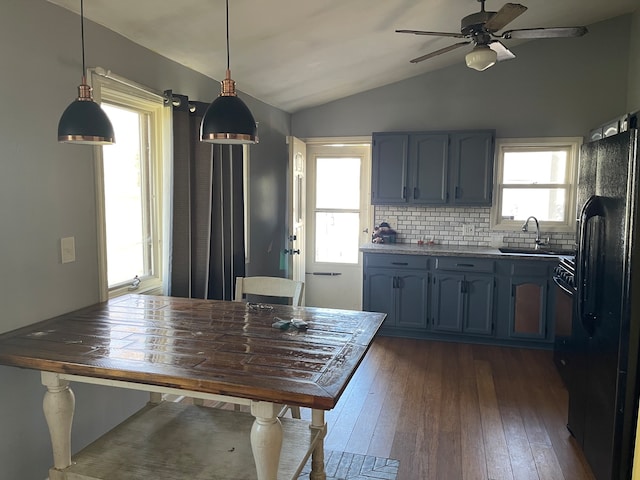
(564, 288)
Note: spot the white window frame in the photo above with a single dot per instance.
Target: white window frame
(114, 90)
(572, 144)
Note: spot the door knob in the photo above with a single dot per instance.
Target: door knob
(292, 252)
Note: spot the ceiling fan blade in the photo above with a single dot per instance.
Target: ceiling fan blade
(503, 52)
(438, 52)
(437, 34)
(508, 13)
(554, 32)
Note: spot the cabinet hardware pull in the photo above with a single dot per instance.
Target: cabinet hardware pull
(415, 192)
(399, 263)
(469, 265)
(404, 192)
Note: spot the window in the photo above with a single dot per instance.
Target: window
(130, 176)
(536, 177)
(337, 209)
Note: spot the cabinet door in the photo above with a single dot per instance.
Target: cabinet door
(447, 302)
(389, 168)
(528, 307)
(379, 293)
(412, 289)
(479, 295)
(471, 168)
(428, 172)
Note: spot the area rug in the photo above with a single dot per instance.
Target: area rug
(350, 466)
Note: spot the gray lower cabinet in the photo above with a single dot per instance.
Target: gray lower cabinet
(525, 305)
(462, 298)
(463, 303)
(474, 299)
(397, 285)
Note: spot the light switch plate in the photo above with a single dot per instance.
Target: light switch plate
(68, 249)
(468, 229)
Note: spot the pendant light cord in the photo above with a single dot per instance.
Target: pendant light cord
(227, 34)
(82, 34)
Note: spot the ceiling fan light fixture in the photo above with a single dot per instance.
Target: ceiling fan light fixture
(228, 119)
(481, 57)
(83, 121)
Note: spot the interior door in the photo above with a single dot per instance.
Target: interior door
(297, 211)
(338, 216)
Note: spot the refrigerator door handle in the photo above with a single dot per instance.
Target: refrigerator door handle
(592, 208)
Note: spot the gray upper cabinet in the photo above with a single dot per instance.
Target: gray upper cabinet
(428, 166)
(390, 168)
(432, 168)
(471, 168)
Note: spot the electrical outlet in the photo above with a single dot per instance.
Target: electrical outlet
(468, 229)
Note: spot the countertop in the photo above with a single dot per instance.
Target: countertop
(451, 250)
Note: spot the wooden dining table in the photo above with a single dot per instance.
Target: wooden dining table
(203, 349)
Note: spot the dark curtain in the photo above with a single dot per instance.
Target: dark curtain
(207, 252)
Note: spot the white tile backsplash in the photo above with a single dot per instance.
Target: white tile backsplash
(444, 224)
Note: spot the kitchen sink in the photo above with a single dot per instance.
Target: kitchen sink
(533, 251)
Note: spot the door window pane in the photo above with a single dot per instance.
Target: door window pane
(337, 237)
(338, 183)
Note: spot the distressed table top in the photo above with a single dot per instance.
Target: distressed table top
(209, 346)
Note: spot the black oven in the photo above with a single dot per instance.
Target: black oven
(565, 288)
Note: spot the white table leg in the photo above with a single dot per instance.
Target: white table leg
(317, 457)
(59, 404)
(266, 439)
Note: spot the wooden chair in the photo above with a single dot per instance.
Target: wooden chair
(269, 287)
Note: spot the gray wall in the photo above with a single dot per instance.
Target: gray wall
(633, 103)
(47, 192)
(558, 87)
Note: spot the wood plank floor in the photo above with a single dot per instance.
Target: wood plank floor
(458, 411)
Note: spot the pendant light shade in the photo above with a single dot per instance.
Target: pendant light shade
(228, 119)
(84, 122)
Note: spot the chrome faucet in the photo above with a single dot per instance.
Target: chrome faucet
(525, 228)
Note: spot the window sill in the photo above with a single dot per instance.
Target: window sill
(152, 288)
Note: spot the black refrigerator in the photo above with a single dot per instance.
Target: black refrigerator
(603, 384)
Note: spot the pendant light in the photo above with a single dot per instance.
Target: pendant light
(84, 122)
(228, 119)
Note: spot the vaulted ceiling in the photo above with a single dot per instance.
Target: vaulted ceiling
(295, 54)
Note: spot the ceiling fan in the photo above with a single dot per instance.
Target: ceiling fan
(480, 29)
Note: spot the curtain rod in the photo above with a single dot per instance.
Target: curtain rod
(129, 83)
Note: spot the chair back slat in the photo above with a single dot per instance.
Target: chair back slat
(270, 287)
